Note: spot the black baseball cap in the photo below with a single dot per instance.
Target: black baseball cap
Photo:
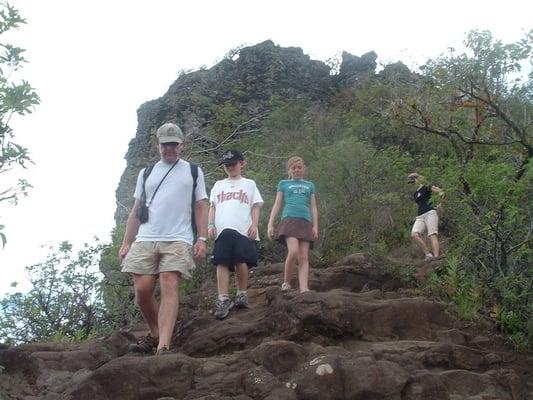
(230, 156)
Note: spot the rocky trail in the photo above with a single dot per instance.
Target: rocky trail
(358, 335)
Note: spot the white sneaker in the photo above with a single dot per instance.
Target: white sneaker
(285, 287)
(429, 257)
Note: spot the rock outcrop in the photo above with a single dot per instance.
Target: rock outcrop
(260, 75)
(253, 81)
(358, 335)
(355, 69)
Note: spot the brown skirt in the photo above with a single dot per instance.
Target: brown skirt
(298, 228)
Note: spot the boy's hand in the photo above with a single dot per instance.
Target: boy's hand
(212, 232)
(314, 232)
(252, 232)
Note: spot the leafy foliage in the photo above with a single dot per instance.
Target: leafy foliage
(362, 197)
(63, 302)
(479, 104)
(15, 98)
(116, 289)
(454, 283)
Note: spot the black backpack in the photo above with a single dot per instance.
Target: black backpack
(194, 173)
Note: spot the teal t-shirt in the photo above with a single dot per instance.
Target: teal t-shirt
(296, 198)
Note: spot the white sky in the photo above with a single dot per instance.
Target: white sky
(95, 62)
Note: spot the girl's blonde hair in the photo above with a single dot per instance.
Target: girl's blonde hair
(293, 160)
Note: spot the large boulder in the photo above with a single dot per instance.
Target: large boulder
(344, 343)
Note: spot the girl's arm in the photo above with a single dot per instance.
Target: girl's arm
(211, 229)
(274, 213)
(314, 215)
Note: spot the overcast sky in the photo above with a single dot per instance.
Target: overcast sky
(93, 63)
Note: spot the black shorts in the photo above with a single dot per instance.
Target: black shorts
(232, 248)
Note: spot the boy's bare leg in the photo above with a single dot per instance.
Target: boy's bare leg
(223, 303)
(144, 297)
(168, 310)
(241, 276)
(303, 266)
(223, 280)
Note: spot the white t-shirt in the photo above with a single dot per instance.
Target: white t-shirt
(233, 201)
(170, 212)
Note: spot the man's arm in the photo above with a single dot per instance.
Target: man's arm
(200, 214)
(132, 228)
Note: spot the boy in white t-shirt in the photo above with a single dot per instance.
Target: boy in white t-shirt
(235, 203)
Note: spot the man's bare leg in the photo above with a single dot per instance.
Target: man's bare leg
(168, 310)
(144, 298)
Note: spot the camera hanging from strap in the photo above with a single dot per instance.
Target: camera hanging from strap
(142, 211)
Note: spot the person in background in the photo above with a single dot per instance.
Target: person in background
(427, 220)
(235, 203)
(298, 229)
(161, 247)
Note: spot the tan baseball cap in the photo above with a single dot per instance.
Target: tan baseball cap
(169, 133)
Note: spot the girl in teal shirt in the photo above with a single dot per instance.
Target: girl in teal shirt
(299, 221)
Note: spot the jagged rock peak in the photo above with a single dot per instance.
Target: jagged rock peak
(259, 72)
(352, 65)
(396, 71)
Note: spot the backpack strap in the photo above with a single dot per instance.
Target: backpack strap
(194, 173)
(146, 174)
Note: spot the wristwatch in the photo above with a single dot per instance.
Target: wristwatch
(202, 238)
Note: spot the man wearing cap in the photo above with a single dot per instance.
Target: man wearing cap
(162, 247)
(427, 220)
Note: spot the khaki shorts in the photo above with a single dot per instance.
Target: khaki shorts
(151, 258)
(428, 221)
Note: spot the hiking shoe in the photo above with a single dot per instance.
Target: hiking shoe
(285, 287)
(163, 351)
(241, 300)
(146, 345)
(223, 307)
(429, 257)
